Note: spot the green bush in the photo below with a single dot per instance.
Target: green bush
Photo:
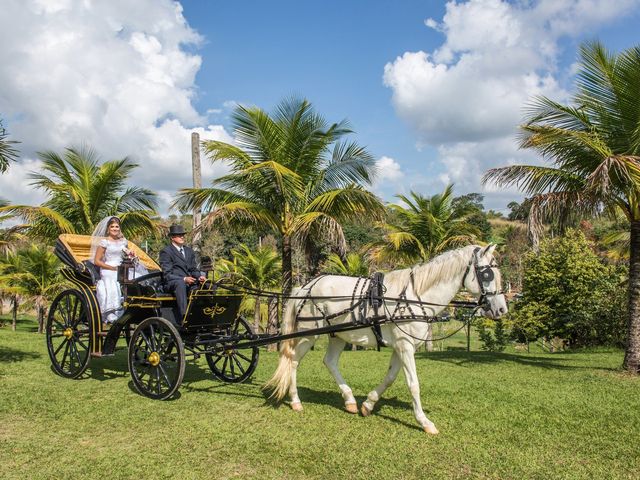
(494, 334)
(568, 292)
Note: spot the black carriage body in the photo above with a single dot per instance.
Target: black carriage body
(208, 311)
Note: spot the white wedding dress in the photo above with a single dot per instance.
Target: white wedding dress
(108, 288)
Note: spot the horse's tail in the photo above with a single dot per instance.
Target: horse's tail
(281, 379)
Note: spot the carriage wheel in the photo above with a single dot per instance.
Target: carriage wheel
(231, 364)
(156, 358)
(68, 333)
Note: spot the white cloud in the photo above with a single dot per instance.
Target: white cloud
(116, 75)
(466, 97)
(388, 169)
(390, 178)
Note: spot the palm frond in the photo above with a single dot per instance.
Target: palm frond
(533, 179)
(243, 214)
(34, 214)
(347, 203)
(207, 199)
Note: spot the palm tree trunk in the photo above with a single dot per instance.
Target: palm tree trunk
(256, 316)
(272, 321)
(14, 319)
(40, 319)
(632, 352)
(287, 269)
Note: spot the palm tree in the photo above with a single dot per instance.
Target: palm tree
(10, 240)
(424, 228)
(81, 190)
(290, 174)
(7, 152)
(594, 148)
(260, 270)
(33, 274)
(354, 265)
(10, 265)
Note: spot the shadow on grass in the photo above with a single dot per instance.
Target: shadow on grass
(195, 373)
(23, 324)
(334, 399)
(8, 354)
(114, 367)
(463, 357)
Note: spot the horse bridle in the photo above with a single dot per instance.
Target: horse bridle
(484, 275)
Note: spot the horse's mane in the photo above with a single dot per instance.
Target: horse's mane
(428, 274)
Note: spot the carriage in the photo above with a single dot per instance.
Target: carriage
(159, 340)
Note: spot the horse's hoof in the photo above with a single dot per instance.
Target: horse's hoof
(296, 407)
(351, 407)
(364, 410)
(431, 429)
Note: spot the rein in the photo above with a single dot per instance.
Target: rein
(266, 293)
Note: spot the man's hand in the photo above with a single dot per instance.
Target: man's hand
(202, 279)
(189, 280)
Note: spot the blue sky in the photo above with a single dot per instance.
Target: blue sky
(435, 90)
(334, 56)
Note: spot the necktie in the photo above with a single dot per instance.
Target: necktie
(182, 252)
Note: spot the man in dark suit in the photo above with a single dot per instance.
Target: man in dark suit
(178, 263)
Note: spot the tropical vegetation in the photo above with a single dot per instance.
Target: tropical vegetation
(423, 227)
(291, 173)
(259, 269)
(32, 275)
(593, 145)
(81, 190)
(8, 152)
(297, 201)
(571, 293)
(355, 264)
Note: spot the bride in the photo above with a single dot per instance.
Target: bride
(108, 246)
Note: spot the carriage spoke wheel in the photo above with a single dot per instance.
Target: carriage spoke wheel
(156, 358)
(231, 364)
(68, 333)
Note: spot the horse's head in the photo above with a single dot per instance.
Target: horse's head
(483, 277)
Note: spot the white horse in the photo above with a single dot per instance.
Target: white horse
(435, 282)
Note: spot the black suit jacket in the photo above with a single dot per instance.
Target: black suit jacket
(175, 267)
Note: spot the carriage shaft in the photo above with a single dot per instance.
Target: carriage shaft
(266, 339)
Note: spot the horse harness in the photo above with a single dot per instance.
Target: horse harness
(484, 274)
(368, 293)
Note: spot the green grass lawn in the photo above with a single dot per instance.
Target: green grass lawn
(507, 415)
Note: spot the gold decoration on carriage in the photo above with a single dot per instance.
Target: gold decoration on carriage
(213, 311)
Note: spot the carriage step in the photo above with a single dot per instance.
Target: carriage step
(100, 354)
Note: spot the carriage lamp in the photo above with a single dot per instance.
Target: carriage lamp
(206, 265)
(126, 272)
